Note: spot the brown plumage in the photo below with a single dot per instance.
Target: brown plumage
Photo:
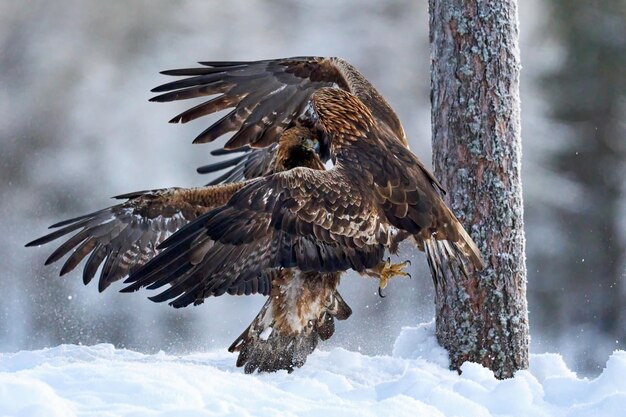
(304, 222)
(124, 237)
(127, 235)
(268, 96)
(377, 193)
(299, 312)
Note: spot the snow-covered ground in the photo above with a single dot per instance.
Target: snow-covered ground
(100, 380)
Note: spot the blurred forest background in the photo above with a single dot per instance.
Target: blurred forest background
(77, 127)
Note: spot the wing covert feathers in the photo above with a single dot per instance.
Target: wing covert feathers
(267, 97)
(299, 218)
(121, 238)
(235, 238)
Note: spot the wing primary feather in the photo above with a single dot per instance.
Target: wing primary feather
(93, 263)
(222, 178)
(197, 70)
(179, 266)
(186, 299)
(210, 106)
(222, 64)
(168, 294)
(190, 82)
(222, 126)
(110, 265)
(67, 246)
(222, 151)
(76, 219)
(236, 174)
(204, 90)
(79, 254)
(134, 194)
(218, 166)
(58, 233)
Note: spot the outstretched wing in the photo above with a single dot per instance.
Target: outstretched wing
(127, 235)
(247, 164)
(267, 96)
(302, 218)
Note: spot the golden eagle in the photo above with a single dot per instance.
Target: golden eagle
(299, 312)
(289, 231)
(377, 193)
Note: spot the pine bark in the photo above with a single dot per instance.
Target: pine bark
(476, 154)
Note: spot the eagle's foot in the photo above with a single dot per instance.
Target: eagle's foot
(385, 271)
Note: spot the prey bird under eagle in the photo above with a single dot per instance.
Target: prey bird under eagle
(288, 231)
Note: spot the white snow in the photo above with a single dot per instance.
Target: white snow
(100, 380)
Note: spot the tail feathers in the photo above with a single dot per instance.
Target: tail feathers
(465, 244)
(445, 255)
(441, 256)
(268, 350)
(267, 346)
(450, 248)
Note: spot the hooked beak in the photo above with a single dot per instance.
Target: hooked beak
(312, 144)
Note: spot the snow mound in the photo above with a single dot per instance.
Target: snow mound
(100, 380)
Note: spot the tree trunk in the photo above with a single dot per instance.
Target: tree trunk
(476, 154)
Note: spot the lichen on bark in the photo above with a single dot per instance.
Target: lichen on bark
(475, 102)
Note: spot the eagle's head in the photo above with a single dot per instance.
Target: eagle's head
(298, 147)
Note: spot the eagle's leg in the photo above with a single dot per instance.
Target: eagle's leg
(386, 270)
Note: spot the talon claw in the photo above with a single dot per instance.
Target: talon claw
(380, 293)
(409, 275)
(408, 261)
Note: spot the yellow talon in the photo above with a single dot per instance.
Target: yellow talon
(385, 271)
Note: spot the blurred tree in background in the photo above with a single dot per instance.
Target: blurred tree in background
(587, 93)
(55, 162)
